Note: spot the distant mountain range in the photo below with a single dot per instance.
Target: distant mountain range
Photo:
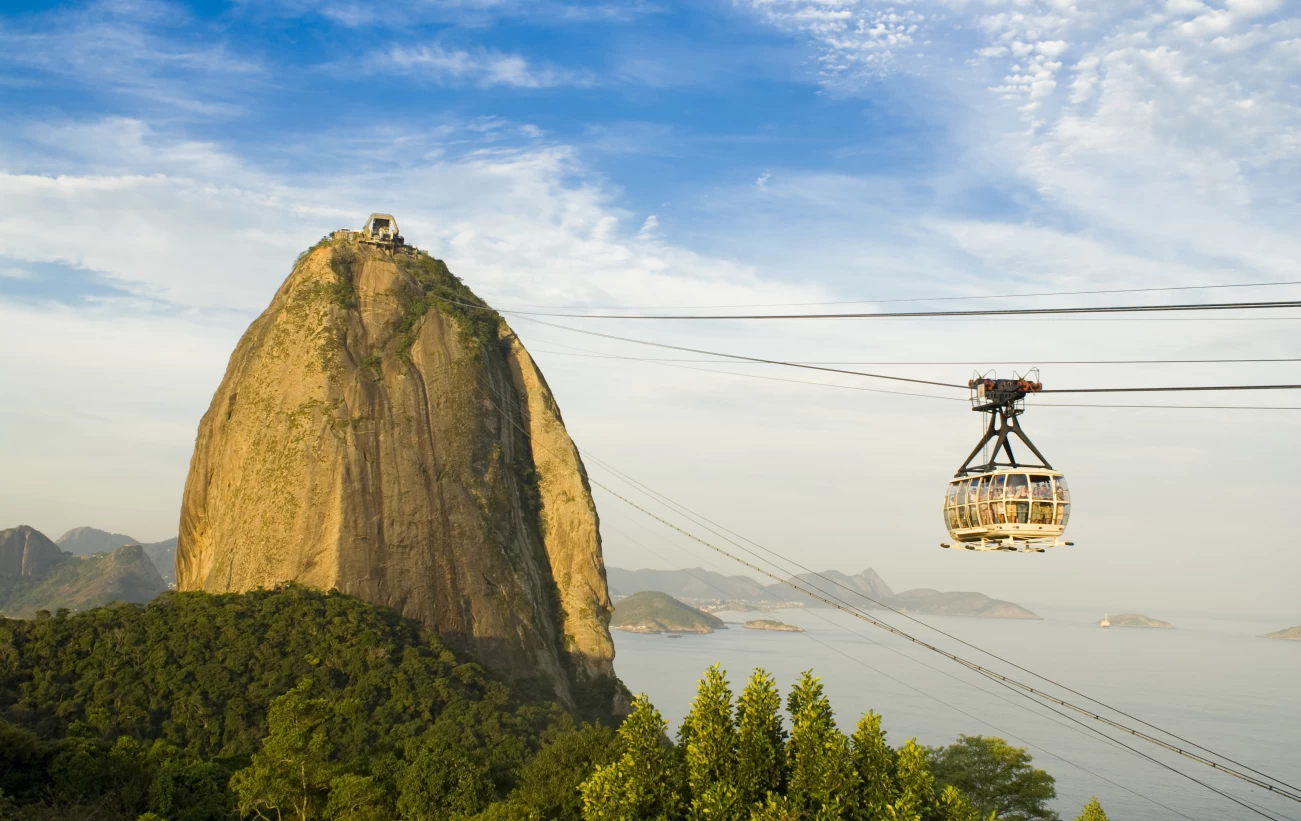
(83, 541)
(708, 588)
(35, 574)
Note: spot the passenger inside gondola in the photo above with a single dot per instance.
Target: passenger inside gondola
(1016, 486)
(1018, 512)
(1041, 487)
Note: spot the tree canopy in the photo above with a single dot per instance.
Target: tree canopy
(298, 705)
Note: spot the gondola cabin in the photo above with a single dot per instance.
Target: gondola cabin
(1002, 503)
(1007, 506)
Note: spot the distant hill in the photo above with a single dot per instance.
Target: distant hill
(1139, 620)
(702, 587)
(36, 575)
(83, 541)
(26, 553)
(772, 624)
(696, 584)
(1289, 633)
(933, 602)
(653, 612)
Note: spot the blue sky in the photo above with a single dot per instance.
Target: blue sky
(161, 166)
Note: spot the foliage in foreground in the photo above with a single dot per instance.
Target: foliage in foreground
(735, 761)
(297, 704)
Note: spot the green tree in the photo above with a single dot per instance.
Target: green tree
(356, 798)
(775, 808)
(710, 753)
(875, 763)
(1092, 812)
(640, 785)
(952, 806)
(547, 787)
(823, 784)
(290, 776)
(995, 777)
(442, 779)
(915, 786)
(760, 740)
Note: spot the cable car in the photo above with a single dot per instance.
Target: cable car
(1006, 505)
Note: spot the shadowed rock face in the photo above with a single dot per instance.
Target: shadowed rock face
(372, 437)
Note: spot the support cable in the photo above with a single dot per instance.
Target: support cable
(675, 363)
(919, 299)
(895, 378)
(1107, 309)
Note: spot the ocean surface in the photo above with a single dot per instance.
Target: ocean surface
(1212, 681)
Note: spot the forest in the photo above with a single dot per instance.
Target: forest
(298, 704)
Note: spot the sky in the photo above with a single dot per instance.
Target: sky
(161, 166)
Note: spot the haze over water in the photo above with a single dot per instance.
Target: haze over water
(1212, 681)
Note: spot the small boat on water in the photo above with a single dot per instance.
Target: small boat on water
(673, 636)
(1106, 621)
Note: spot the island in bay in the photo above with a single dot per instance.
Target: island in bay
(772, 624)
(1287, 633)
(651, 611)
(1138, 620)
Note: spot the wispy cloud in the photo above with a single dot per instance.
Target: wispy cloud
(140, 48)
(481, 67)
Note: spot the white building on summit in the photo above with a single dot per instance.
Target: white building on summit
(380, 230)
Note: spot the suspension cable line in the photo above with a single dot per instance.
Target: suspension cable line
(917, 299)
(675, 363)
(839, 604)
(789, 364)
(1111, 309)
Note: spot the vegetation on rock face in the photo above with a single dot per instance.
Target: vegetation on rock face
(375, 435)
(654, 612)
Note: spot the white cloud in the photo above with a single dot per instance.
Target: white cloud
(482, 67)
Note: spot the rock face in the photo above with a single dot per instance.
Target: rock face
(375, 436)
(27, 553)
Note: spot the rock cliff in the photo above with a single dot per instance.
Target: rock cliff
(375, 435)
